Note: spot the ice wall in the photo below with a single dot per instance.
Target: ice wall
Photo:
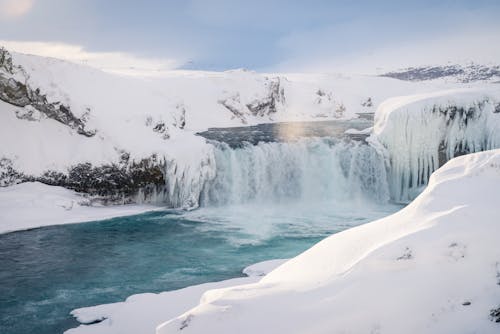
(421, 132)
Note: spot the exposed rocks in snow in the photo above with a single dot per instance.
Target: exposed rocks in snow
(113, 182)
(495, 314)
(269, 105)
(457, 251)
(28, 113)
(126, 182)
(8, 175)
(233, 104)
(323, 97)
(180, 116)
(22, 95)
(260, 107)
(186, 321)
(340, 111)
(460, 73)
(158, 126)
(407, 255)
(367, 103)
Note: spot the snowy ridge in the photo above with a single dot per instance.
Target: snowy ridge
(459, 73)
(143, 146)
(422, 132)
(394, 275)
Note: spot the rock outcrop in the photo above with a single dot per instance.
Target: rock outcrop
(20, 94)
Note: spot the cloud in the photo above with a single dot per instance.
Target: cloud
(368, 54)
(114, 62)
(15, 8)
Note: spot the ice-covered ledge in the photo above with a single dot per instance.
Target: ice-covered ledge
(421, 132)
(433, 267)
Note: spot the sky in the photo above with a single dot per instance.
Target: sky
(279, 36)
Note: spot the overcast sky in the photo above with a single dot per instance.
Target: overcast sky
(267, 35)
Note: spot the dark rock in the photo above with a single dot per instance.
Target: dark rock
(368, 102)
(407, 255)
(268, 105)
(6, 61)
(8, 175)
(21, 95)
(107, 183)
(229, 104)
(467, 73)
(495, 314)
(466, 303)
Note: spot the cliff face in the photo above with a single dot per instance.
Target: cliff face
(15, 90)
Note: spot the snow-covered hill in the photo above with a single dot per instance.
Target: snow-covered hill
(459, 73)
(433, 267)
(126, 139)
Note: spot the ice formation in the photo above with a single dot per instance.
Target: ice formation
(309, 170)
(422, 132)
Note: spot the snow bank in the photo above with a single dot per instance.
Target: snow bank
(33, 204)
(141, 313)
(433, 267)
(421, 132)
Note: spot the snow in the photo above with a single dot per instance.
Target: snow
(413, 272)
(130, 316)
(417, 129)
(33, 204)
(366, 131)
(124, 110)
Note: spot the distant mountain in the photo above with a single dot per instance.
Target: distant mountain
(459, 73)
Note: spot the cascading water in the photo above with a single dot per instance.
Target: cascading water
(413, 136)
(307, 170)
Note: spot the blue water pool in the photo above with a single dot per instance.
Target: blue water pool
(47, 272)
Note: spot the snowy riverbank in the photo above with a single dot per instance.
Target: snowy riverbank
(33, 204)
(143, 312)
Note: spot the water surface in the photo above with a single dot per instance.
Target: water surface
(47, 272)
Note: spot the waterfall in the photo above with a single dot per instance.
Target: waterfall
(307, 170)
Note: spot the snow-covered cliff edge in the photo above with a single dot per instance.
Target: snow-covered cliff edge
(421, 132)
